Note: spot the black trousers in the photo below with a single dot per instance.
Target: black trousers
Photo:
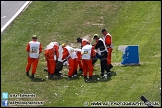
(59, 67)
(94, 60)
(103, 63)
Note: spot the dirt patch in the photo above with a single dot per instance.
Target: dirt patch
(98, 24)
(157, 55)
(52, 38)
(117, 64)
(114, 64)
(94, 24)
(87, 37)
(74, 45)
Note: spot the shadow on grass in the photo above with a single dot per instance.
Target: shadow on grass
(97, 78)
(80, 73)
(93, 80)
(72, 78)
(57, 78)
(90, 81)
(126, 65)
(113, 73)
(38, 79)
(105, 79)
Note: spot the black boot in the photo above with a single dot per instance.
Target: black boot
(46, 69)
(81, 69)
(90, 77)
(50, 76)
(69, 78)
(109, 74)
(57, 74)
(85, 78)
(32, 76)
(75, 73)
(27, 73)
(110, 66)
(102, 74)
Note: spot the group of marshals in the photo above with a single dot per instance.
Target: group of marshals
(82, 59)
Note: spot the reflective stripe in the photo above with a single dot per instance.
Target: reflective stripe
(103, 51)
(60, 53)
(98, 50)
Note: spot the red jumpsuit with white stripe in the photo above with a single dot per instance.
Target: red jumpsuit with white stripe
(32, 60)
(108, 43)
(70, 54)
(87, 54)
(49, 56)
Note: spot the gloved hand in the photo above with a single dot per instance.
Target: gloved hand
(97, 55)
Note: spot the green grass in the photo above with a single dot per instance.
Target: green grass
(130, 23)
